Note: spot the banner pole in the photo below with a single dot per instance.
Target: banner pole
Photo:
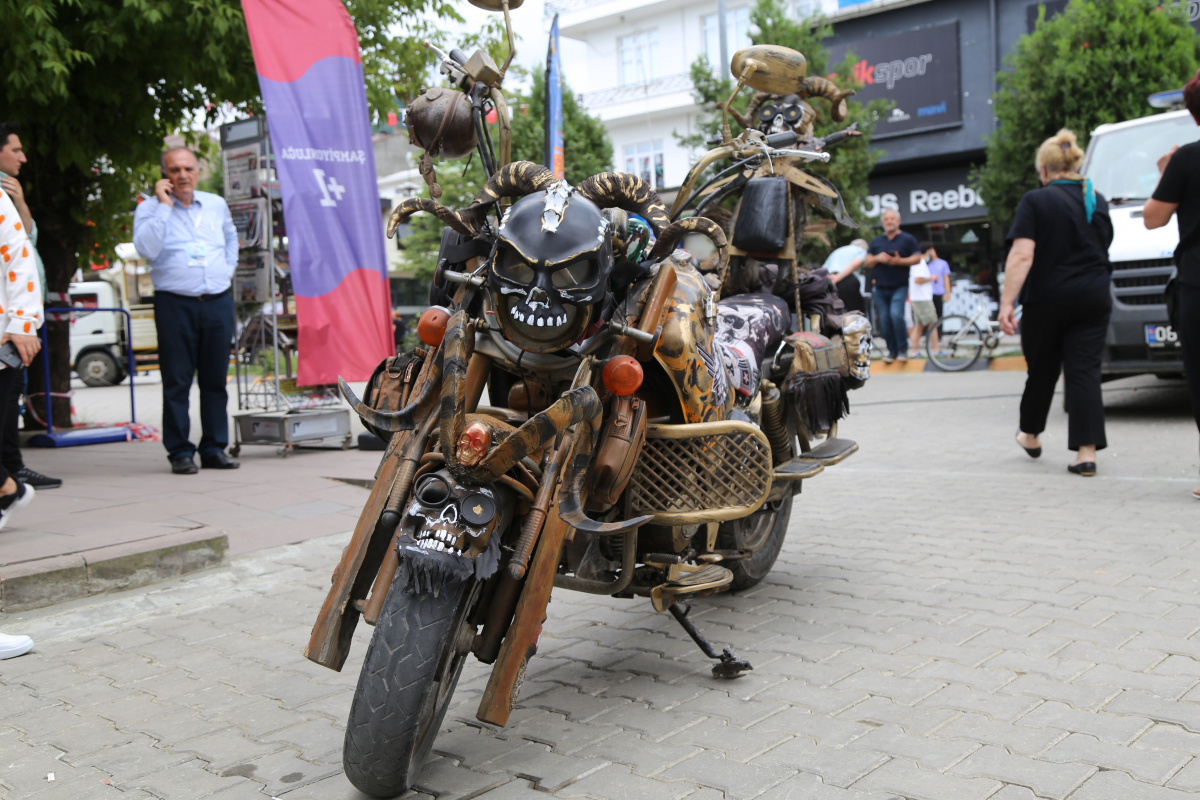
(271, 276)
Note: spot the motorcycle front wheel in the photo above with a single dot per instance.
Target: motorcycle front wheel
(408, 677)
(764, 529)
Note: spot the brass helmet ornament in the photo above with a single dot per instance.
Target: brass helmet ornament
(439, 122)
(550, 268)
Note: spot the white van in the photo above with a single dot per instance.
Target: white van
(1122, 161)
(98, 339)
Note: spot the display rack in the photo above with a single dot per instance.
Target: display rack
(272, 410)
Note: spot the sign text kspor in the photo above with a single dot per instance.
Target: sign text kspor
(917, 71)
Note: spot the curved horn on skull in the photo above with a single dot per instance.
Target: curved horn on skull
(817, 86)
(414, 204)
(746, 120)
(516, 179)
(628, 192)
(677, 230)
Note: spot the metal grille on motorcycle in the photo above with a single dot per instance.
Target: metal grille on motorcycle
(652, 411)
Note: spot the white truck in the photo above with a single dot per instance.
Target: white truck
(98, 339)
(1122, 161)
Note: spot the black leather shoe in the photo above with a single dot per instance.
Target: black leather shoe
(184, 465)
(1085, 468)
(31, 477)
(219, 460)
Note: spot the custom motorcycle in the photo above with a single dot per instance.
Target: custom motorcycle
(642, 435)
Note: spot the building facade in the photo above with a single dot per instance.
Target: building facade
(934, 60)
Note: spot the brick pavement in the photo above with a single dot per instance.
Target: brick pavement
(949, 620)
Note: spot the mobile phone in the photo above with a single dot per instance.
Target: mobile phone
(10, 356)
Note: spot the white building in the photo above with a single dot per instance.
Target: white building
(635, 75)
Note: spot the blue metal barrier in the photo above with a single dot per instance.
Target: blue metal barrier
(96, 435)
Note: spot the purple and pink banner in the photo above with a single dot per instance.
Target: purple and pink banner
(310, 72)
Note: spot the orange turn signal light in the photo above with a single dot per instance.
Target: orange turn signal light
(431, 327)
(622, 375)
(473, 444)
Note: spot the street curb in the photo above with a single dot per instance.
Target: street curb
(918, 365)
(47, 581)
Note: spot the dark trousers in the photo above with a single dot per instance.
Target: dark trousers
(939, 302)
(1189, 341)
(889, 310)
(851, 294)
(1066, 337)
(10, 436)
(194, 337)
(10, 392)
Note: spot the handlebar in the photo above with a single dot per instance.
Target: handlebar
(781, 139)
(811, 155)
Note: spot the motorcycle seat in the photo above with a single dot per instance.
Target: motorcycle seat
(749, 326)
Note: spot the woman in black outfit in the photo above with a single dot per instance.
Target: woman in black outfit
(1058, 269)
(1178, 192)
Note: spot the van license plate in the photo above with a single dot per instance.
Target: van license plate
(1158, 336)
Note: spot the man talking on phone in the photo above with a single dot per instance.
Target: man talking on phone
(189, 239)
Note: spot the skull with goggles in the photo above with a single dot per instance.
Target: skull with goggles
(550, 268)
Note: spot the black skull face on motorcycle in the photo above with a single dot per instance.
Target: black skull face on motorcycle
(550, 268)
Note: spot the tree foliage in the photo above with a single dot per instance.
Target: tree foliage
(853, 159)
(1092, 64)
(587, 150)
(97, 84)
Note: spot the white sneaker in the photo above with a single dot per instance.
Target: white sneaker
(23, 497)
(13, 646)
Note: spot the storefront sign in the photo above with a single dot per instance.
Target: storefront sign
(928, 196)
(917, 70)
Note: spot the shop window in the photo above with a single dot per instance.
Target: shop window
(646, 161)
(737, 33)
(639, 58)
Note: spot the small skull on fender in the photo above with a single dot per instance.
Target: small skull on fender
(856, 338)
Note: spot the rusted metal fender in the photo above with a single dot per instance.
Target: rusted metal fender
(686, 351)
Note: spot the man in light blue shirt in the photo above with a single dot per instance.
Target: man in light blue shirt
(189, 239)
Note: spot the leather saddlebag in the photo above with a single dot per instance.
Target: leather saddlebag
(762, 219)
(620, 445)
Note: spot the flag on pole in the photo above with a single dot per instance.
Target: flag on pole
(554, 108)
(310, 72)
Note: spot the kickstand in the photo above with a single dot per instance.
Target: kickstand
(730, 665)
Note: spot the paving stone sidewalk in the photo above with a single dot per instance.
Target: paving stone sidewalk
(949, 620)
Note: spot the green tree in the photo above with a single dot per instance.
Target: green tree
(97, 84)
(587, 150)
(1094, 63)
(852, 160)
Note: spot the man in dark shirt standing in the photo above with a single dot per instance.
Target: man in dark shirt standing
(891, 254)
(1178, 192)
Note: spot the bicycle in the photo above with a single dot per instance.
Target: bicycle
(963, 338)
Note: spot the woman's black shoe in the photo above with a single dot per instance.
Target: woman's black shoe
(1085, 468)
(1034, 452)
